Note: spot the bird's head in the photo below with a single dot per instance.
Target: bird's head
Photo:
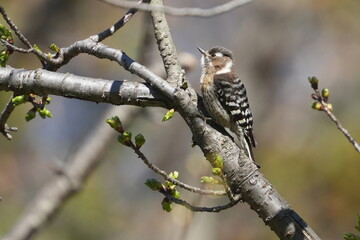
(217, 59)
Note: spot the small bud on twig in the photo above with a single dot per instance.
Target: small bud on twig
(139, 140)
(317, 106)
(314, 82)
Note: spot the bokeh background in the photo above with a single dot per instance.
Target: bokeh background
(277, 45)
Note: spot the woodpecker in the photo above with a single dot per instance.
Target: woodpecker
(224, 95)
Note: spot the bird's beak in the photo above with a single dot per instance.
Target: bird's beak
(203, 52)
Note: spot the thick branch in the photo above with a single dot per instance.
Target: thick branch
(42, 82)
(243, 176)
(166, 45)
(92, 47)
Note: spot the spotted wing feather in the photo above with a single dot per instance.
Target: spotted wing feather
(232, 96)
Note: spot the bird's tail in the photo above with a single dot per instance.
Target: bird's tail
(249, 143)
(249, 149)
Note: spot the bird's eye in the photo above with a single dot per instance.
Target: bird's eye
(213, 55)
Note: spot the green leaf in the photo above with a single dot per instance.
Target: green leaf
(114, 122)
(216, 171)
(127, 136)
(41, 113)
(174, 174)
(314, 82)
(325, 93)
(54, 48)
(154, 184)
(48, 99)
(16, 101)
(358, 226)
(166, 205)
(139, 140)
(30, 115)
(176, 194)
(316, 106)
(210, 180)
(5, 33)
(44, 113)
(219, 163)
(36, 47)
(169, 115)
(351, 236)
(123, 140)
(330, 107)
(4, 57)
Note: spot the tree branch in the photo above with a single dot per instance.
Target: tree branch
(68, 181)
(119, 24)
(181, 12)
(241, 173)
(42, 82)
(322, 100)
(203, 209)
(166, 46)
(14, 27)
(173, 180)
(243, 176)
(4, 127)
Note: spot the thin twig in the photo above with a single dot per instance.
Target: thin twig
(227, 188)
(14, 28)
(340, 127)
(14, 48)
(173, 180)
(119, 24)
(194, 12)
(324, 107)
(4, 128)
(203, 209)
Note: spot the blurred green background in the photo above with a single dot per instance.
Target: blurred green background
(277, 45)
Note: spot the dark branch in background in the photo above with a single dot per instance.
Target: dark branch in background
(322, 99)
(69, 179)
(119, 24)
(71, 86)
(4, 128)
(181, 12)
